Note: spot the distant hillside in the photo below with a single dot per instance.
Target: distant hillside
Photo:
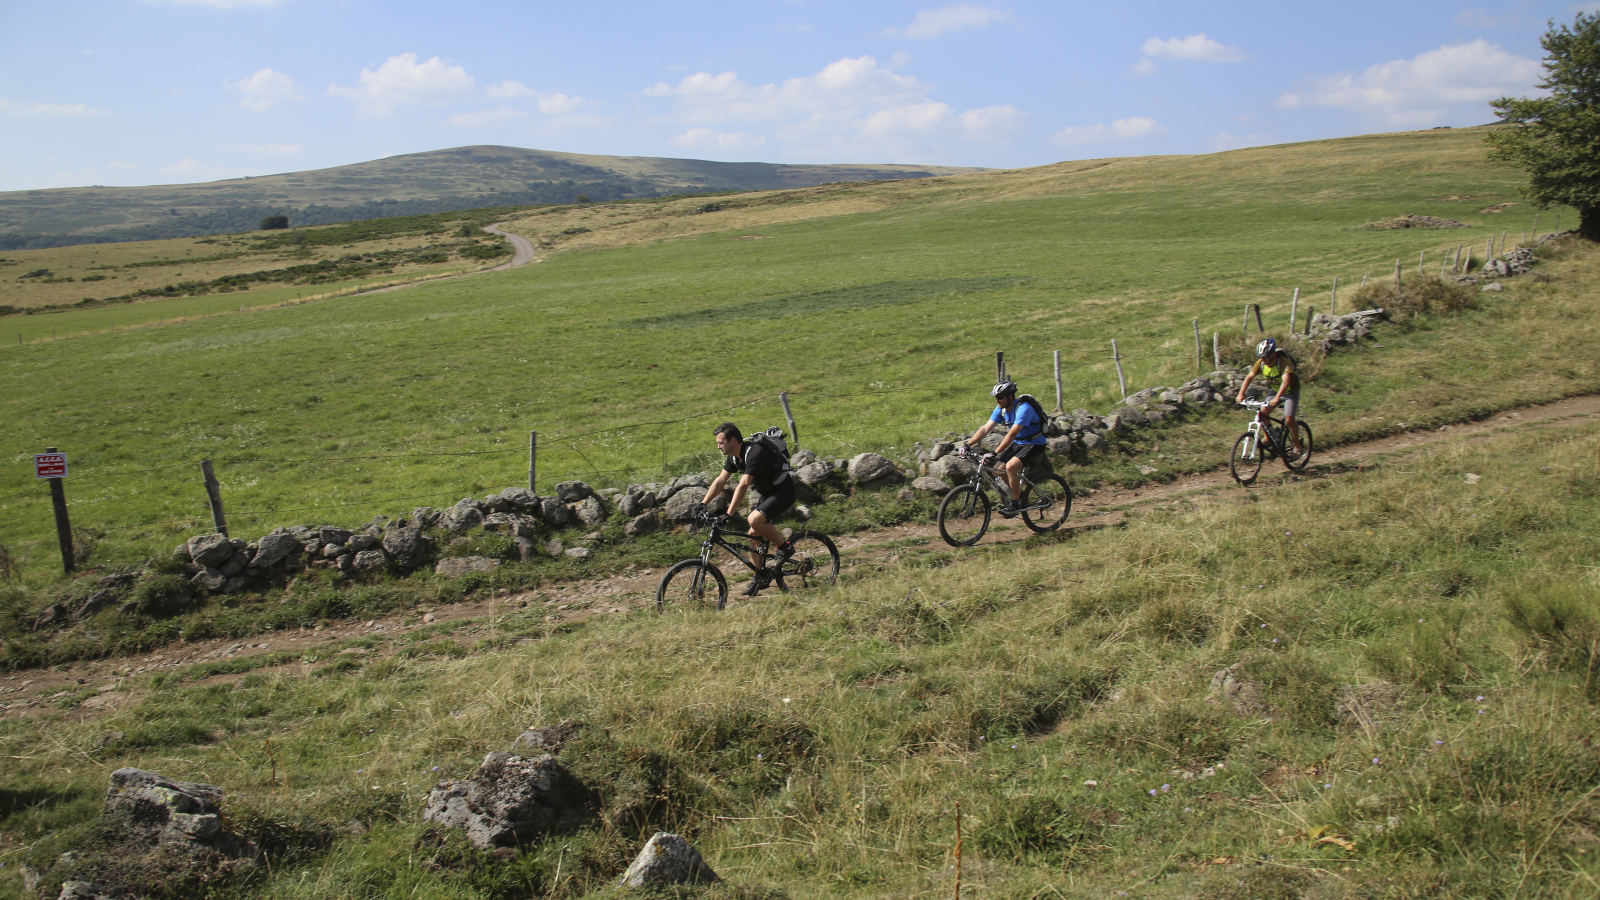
(416, 184)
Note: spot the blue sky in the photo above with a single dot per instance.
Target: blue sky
(130, 92)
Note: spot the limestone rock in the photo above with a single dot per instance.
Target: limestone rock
(931, 485)
(573, 491)
(628, 507)
(456, 566)
(868, 467)
(590, 511)
(554, 512)
(211, 550)
(644, 523)
(514, 500)
(802, 458)
(209, 580)
(952, 469)
(511, 798)
(813, 474)
(667, 859)
(461, 519)
(578, 553)
(545, 740)
(274, 549)
(331, 535)
(370, 561)
(679, 504)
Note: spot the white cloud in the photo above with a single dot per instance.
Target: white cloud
(851, 106)
(63, 110)
(1120, 130)
(931, 23)
(402, 80)
(1416, 93)
(1196, 47)
(900, 60)
(267, 149)
(264, 89)
(1146, 66)
(220, 4)
(706, 139)
(1229, 141)
(556, 104)
(482, 117)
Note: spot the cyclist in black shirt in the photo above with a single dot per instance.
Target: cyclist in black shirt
(759, 465)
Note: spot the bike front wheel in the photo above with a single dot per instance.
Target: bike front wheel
(692, 584)
(964, 515)
(1245, 464)
(1045, 503)
(815, 562)
(1303, 432)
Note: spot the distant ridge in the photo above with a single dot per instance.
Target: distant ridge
(414, 184)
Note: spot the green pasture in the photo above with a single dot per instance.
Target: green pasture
(882, 325)
(1056, 697)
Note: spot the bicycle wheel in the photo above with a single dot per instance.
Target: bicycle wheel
(1245, 463)
(963, 515)
(1051, 492)
(1302, 431)
(815, 562)
(692, 584)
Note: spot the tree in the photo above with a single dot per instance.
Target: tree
(274, 222)
(1557, 138)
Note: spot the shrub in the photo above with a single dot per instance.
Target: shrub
(274, 223)
(1238, 349)
(1425, 294)
(163, 595)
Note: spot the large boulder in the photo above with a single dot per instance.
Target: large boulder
(274, 549)
(814, 474)
(510, 799)
(681, 502)
(667, 859)
(696, 480)
(461, 519)
(369, 561)
(573, 491)
(212, 550)
(554, 512)
(628, 505)
(870, 467)
(408, 547)
(590, 511)
(952, 469)
(931, 485)
(514, 500)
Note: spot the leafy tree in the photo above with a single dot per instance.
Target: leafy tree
(1557, 138)
(274, 222)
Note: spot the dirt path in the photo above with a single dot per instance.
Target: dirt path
(524, 251)
(34, 692)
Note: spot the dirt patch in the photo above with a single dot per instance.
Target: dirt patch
(1499, 207)
(1411, 221)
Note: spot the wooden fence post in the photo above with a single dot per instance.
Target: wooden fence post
(1311, 313)
(214, 494)
(58, 499)
(1245, 326)
(1216, 350)
(1259, 327)
(533, 460)
(1396, 277)
(1420, 255)
(788, 415)
(1536, 226)
(1058, 381)
(1122, 383)
(1199, 352)
(1333, 302)
(1503, 242)
(1294, 307)
(999, 366)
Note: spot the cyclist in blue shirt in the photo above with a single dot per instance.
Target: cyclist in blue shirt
(1023, 440)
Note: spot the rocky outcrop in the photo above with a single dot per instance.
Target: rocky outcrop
(510, 799)
(668, 859)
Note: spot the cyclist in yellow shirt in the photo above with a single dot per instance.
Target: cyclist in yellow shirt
(1272, 362)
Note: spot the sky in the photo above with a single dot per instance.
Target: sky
(135, 92)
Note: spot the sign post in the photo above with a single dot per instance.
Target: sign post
(52, 466)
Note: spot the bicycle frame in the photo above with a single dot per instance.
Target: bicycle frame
(716, 538)
(997, 481)
(1258, 427)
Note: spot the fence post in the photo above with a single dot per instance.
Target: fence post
(1536, 226)
(1333, 301)
(58, 499)
(214, 494)
(1199, 355)
(1396, 277)
(533, 459)
(1420, 255)
(1294, 307)
(999, 366)
(1259, 327)
(794, 433)
(1122, 383)
(1503, 241)
(1058, 381)
(1216, 350)
(1245, 325)
(1311, 313)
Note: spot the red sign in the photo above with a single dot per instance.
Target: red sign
(50, 465)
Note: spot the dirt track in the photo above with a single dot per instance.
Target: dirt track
(33, 692)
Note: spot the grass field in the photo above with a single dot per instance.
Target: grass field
(879, 306)
(1057, 695)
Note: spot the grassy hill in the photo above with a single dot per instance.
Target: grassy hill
(411, 184)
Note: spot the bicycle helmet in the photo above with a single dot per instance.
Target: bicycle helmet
(1266, 346)
(1003, 388)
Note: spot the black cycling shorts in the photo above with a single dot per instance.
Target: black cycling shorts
(1023, 452)
(774, 505)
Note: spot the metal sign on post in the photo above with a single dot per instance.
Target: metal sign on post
(52, 465)
(49, 465)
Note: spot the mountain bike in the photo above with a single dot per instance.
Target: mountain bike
(1265, 437)
(697, 583)
(964, 512)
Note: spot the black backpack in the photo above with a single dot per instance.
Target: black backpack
(1038, 408)
(774, 439)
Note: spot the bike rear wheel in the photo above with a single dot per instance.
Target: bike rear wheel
(964, 515)
(815, 562)
(1051, 492)
(692, 584)
(1245, 463)
(1302, 431)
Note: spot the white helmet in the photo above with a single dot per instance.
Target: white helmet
(1266, 346)
(1003, 388)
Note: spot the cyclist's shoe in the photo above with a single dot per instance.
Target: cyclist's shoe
(758, 583)
(1293, 455)
(785, 552)
(1009, 509)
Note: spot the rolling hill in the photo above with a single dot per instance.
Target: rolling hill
(413, 184)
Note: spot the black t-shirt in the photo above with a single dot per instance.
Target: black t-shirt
(763, 465)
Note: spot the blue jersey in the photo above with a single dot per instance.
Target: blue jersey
(1032, 425)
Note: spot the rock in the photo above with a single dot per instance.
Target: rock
(679, 504)
(554, 512)
(1243, 696)
(469, 503)
(685, 481)
(331, 535)
(1148, 470)
(209, 580)
(906, 494)
(515, 500)
(1059, 446)
(940, 450)
(97, 601)
(82, 890)
(178, 811)
(274, 549)
(366, 540)
(510, 799)
(456, 566)
(1369, 706)
(645, 523)
(408, 547)
(546, 740)
(212, 550)
(667, 859)
(930, 484)
(346, 563)
(952, 469)
(180, 554)
(573, 491)
(628, 507)
(233, 585)
(813, 474)
(1493, 286)
(425, 516)
(54, 614)
(527, 549)
(590, 511)
(370, 561)
(802, 458)
(514, 524)
(578, 553)
(867, 467)
(461, 519)
(334, 551)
